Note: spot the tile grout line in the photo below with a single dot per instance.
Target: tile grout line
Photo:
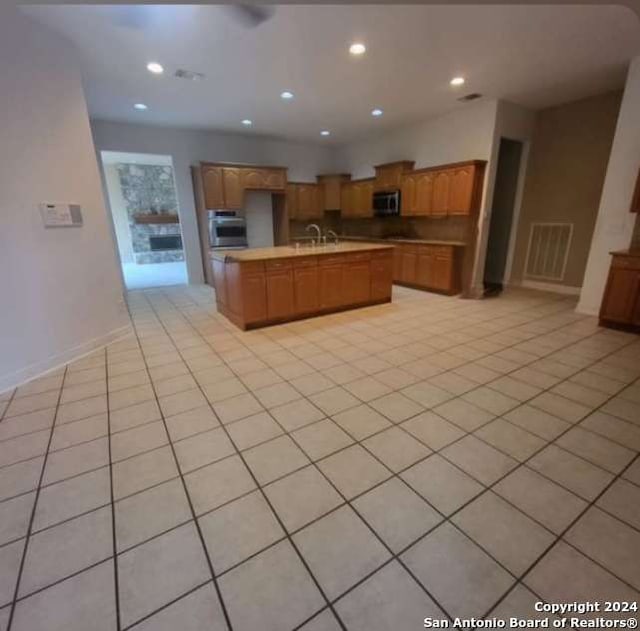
(263, 494)
(116, 575)
(33, 510)
(393, 475)
(223, 606)
(571, 426)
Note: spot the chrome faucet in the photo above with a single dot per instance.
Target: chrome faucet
(331, 233)
(315, 226)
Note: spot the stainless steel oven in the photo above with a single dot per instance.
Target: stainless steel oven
(226, 229)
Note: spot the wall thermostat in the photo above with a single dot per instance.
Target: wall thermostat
(61, 215)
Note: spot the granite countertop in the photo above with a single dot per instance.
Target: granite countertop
(286, 251)
(634, 252)
(458, 244)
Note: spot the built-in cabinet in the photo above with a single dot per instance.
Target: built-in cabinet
(304, 201)
(433, 267)
(357, 199)
(621, 300)
(254, 293)
(442, 191)
(224, 185)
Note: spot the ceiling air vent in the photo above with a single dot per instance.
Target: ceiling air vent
(181, 73)
(470, 97)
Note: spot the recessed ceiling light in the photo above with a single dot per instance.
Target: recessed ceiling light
(376, 112)
(155, 67)
(325, 132)
(457, 81)
(357, 49)
(247, 122)
(140, 106)
(286, 95)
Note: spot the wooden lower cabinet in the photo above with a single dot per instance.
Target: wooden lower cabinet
(261, 292)
(621, 299)
(356, 282)
(254, 288)
(381, 276)
(330, 285)
(305, 289)
(428, 267)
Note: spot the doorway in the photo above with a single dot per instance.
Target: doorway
(144, 206)
(500, 226)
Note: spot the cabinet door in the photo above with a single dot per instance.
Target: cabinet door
(306, 201)
(441, 183)
(397, 264)
(347, 195)
(318, 201)
(280, 294)
(619, 302)
(291, 200)
(274, 179)
(253, 178)
(330, 285)
(461, 191)
(381, 276)
(424, 193)
(254, 291)
(408, 195)
(219, 282)
(212, 184)
(442, 274)
(356, 282)
(424, 267)
(409, 266)
(367, 199)
(306, 289)
(232, 179)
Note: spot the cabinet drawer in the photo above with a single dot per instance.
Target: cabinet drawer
(305, 261)
(626, 262)
(252, 267)
(358, 256)
(278, 264)
(332, 259)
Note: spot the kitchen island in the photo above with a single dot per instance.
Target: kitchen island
(263, 286)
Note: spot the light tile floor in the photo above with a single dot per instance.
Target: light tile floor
(365, 470)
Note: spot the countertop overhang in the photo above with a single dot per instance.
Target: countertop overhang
(286, 251)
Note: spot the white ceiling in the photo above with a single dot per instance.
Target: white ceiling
(535, 56)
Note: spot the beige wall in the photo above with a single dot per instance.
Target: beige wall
(567, 164)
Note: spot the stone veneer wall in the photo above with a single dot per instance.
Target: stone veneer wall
(150, 189)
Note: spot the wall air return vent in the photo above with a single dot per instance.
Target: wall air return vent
(548, 251)
(470, 97)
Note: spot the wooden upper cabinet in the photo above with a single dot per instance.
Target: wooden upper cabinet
(408, 195)
(307, 201)
(233, 189)
(388, 176)
(331, 187)
(291, 200)
(461, 181)
(212, 185)
(440, 198)
(347, 200)
(269, 179)
(424, 193)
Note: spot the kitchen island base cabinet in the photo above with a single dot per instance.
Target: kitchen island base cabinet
(254, 293)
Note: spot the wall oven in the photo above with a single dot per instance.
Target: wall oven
(227, 230)
(386, 204)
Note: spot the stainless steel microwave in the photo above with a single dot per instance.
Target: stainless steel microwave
(386, 204)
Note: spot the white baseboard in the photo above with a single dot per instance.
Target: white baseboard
(567, 290)
(12, 380)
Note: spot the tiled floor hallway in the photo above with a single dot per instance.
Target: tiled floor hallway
(362, 471)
